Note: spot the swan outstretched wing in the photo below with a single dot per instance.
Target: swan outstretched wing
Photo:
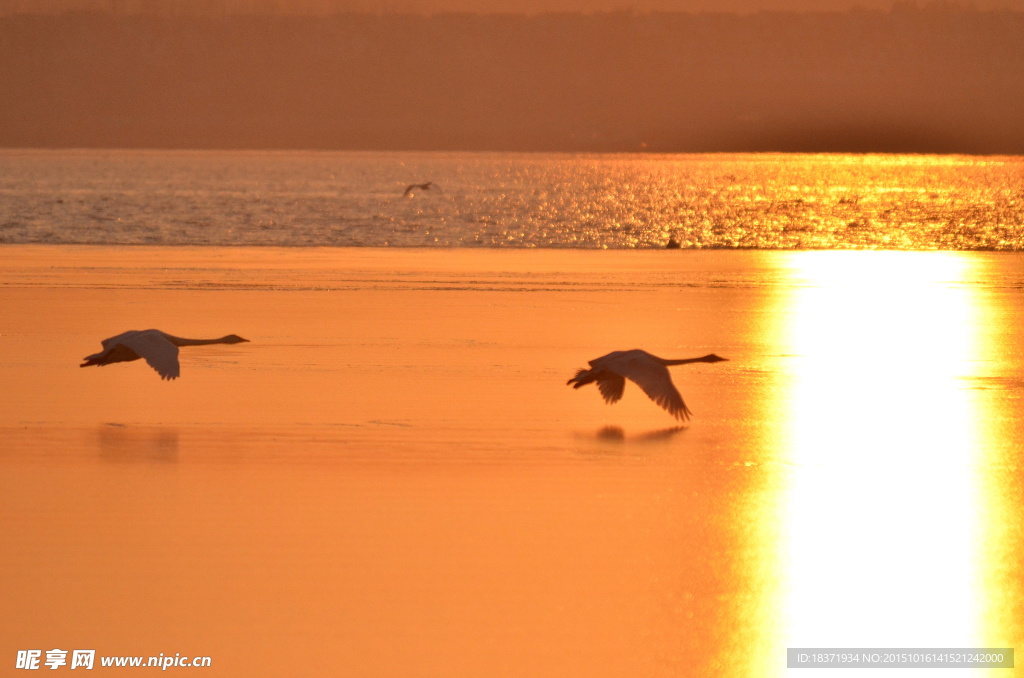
(158, 352)
(656, 382)
(611, 386)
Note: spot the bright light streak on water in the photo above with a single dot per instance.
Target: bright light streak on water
(512, 200)
(883, 514)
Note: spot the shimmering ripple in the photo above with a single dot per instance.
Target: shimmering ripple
(765, 201)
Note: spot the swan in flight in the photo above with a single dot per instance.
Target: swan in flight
(647, 371)
(423, 187)
(159, 349)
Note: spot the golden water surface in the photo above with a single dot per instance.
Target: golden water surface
(392, 478)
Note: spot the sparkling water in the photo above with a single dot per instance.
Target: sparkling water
(765, 201)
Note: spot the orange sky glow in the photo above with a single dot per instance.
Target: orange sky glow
(905, 79)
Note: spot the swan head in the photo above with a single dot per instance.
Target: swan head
(233, 339)
(715, 359)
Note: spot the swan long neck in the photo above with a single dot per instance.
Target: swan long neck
(709, 358)
(179, 341)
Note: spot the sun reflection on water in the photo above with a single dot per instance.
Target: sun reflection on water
(882, 513)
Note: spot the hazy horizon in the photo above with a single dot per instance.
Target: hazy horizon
(932, 81)
(431, 7)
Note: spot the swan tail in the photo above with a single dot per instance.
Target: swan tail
(93, 360)
(582, 378)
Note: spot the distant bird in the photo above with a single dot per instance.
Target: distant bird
(423, 187)
(647, 371)
(159, 349)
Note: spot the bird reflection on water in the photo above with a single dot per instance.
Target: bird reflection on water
(121, 443)
(611, 433)
(613, 441)
(617, 434)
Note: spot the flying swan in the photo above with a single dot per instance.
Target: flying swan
(647, 371)
(423, 187)
(159, 349)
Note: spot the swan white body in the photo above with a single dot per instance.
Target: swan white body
(647, 371)
(158, 349)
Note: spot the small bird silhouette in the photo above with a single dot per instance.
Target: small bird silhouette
(647, 371)
(423, 187)
(159, 349)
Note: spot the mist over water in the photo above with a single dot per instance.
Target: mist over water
(906, 81)
(766, 201)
